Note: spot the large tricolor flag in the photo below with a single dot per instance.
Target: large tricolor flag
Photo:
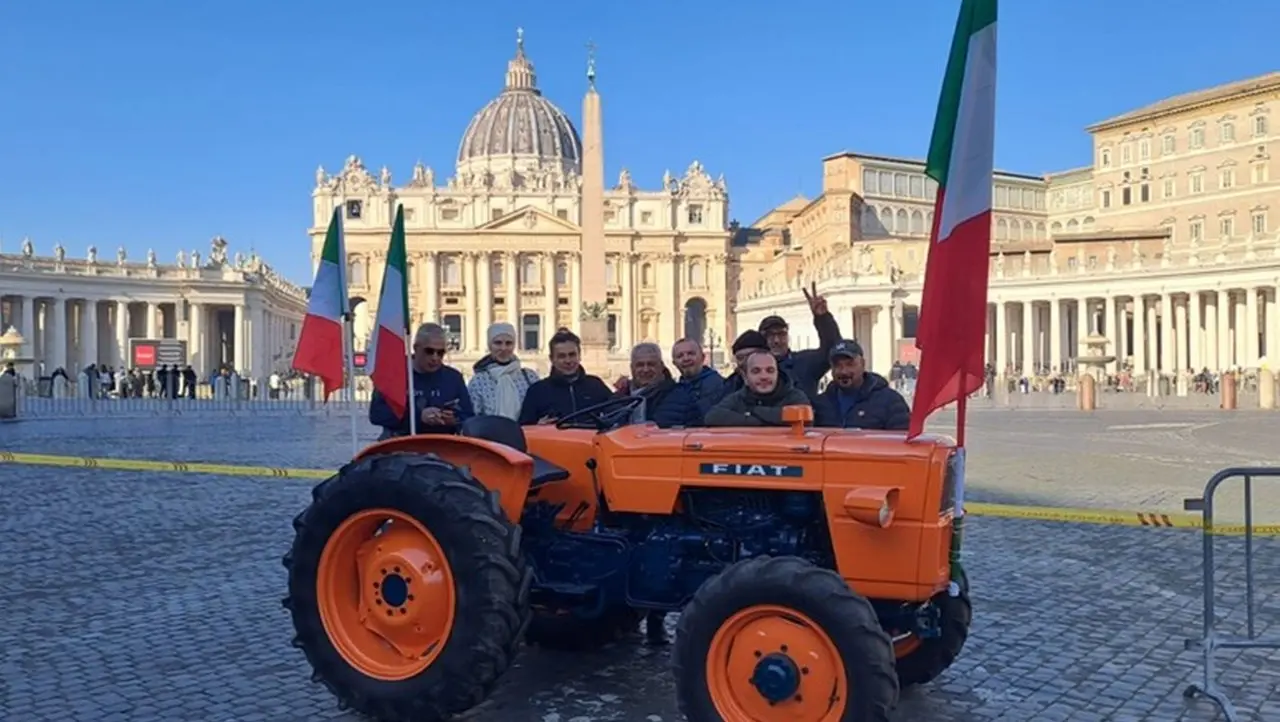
(388, 356)
(953, 310)
(321, 350)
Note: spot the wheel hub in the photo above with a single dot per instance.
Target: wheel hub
(777, 677)
(394, 590)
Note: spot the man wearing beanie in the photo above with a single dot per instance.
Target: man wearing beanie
(500, 383)
(806, 368)
(748, 342)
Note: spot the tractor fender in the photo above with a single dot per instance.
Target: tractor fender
(498, 467)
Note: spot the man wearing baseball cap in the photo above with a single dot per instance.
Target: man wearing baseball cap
(805, 368)
(857, 398)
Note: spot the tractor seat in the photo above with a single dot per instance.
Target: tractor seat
(501, 430)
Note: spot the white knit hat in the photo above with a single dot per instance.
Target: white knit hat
(501, 329)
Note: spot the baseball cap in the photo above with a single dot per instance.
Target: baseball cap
(846, 349)
(772, 322)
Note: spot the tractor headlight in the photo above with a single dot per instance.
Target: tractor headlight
(886, 513)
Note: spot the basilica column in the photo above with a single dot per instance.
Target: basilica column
(1028, 338)
(1180, 337)
(238, 345)
(1225, 355)
(28, 329)
(471, 312)
(195, 340)
(260, 360)
(152, 310)
(1002, 338)
(1273, 327)
(122, 334)
(431, 308)
(626, 269)
(575, 290)
(1084, 316)
(1250, 329)
(549, 291)
(484, 270)
(1150, 344)
(1055, 334)
(882, 338)
(670, 316)
(1195, 334)
(89, 331)
(56, 336)
(1167, 343)
(1108, 327)
(512, 277)
(1210, 359)
(1139, 334)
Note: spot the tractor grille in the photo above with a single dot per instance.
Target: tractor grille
(949, 483)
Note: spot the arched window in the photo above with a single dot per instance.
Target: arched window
(529, 272)
(695, 318)
(1073, 226)
(917, 223)
(1028, 230)
(356, 273)
(1088, 224)
(901, 225)
(886, 219)
(452, 271)
(869, 220)
(1056, 228)
(1002, 230)
(697, 275)
(1040, 231)
(562, 274)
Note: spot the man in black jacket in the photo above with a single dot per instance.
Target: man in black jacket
(857, 398)
(806, 368)
(567, 389)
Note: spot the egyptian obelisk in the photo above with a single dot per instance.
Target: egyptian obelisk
(593, 316)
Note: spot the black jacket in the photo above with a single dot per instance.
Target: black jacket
(873, 406)
(806, 368)
(558, 396)
(669, 404)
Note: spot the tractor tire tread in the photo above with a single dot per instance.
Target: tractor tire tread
(935, 656)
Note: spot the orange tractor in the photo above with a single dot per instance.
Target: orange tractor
(813, 569)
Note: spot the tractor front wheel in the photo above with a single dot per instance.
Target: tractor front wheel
(407, 588)
(782, 639)
(922, 660)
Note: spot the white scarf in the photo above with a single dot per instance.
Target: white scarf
(507, 397)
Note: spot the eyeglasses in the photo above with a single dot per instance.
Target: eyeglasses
(431, 351)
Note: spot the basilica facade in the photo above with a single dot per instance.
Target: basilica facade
(1162, 254)
(503, 237)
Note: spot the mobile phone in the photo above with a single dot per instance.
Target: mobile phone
(452, 405)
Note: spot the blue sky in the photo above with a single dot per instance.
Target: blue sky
(159, 124)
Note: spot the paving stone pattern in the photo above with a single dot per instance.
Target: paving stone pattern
(156, 597)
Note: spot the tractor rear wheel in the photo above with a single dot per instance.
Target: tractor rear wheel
(414, 619)
(570, 633)
(782, 639)
(922, 660)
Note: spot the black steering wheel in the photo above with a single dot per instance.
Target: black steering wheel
(603, 416)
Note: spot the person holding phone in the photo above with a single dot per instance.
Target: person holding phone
(440, 398)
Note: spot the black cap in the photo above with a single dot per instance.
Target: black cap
(750, 339)
(845, 349)
(772, 322)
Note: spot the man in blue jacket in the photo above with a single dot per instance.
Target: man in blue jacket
(857, 398)
(666, 402)
(705, 385)
(806, 368)
(440, 399)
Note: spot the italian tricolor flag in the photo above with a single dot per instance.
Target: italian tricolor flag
(389, 356)
(321, 350)
(953, 310)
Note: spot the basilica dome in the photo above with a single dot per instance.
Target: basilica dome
(521, 127)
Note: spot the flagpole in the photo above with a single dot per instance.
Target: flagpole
(349, 355)
(409, 407)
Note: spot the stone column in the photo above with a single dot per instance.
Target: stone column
(122, 334)
(1273, 328)
(1028, 337)
(626, 331)
(1055, 335)
(1108, 327)
(260, 358)
(1002, 338)
(575, 291)
(1149, 343)
(470, 309)
(1083, 322)
(1167, 342)
(882, 341)
(195, 340)
(151, 321)
(89, 331)
(28, 329)
(238, 345)
(988, 353)
(549, 291)
(1210, 352)
(1180, 337)
(432, 306)
(56, 336)
(1225, 356)
(1250, 330)
(670, 318)
(512, 277)
(1195, 333)
(484, 271)
(1139, 334)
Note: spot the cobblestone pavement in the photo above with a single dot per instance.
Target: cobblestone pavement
(156, 597)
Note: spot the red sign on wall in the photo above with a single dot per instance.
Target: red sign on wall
(360, 358)
(144, 355)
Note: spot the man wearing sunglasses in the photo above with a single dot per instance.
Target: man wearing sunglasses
(440, 398)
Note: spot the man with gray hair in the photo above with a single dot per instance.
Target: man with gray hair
(666, 403)
(440, 399)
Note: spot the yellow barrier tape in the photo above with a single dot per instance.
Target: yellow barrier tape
(1106, 517)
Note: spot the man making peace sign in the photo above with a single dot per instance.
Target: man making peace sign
(805, 368)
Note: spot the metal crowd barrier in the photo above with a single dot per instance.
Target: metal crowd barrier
(249, 399)
(1211, 639)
